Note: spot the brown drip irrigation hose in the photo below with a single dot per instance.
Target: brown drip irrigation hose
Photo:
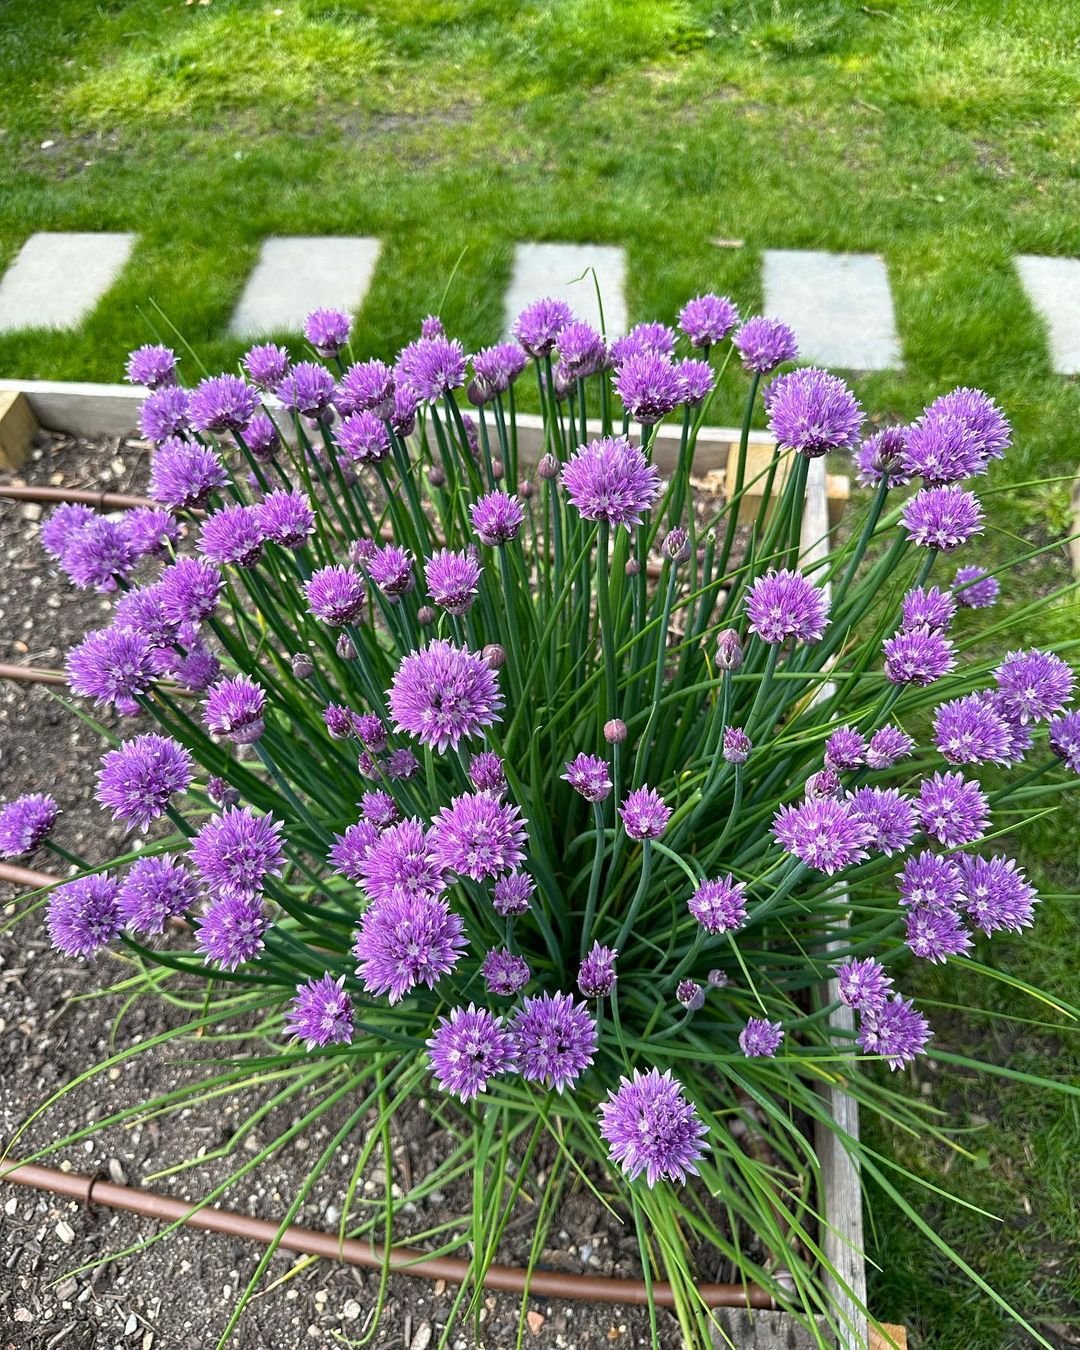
(101, 501)
(312, 1242)
(32, 674)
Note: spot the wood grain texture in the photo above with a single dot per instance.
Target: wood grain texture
(17, 428)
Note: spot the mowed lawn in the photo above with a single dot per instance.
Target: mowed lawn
(945, 137)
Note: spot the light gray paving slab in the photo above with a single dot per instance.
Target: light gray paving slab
(839, 305)
(57, 278)
(1053, 287)
(298, 273)
(561, 271)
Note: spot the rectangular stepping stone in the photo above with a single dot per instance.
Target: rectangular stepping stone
(299, 273)
(58, 278)
(553, 270)
(839, 305)
(1053, 287)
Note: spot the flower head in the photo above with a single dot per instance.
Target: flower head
(335, 595)
(363, 438)
(942, 517)
(165, 413)
(888, 745)
(154, 891)
(137, 780)
(942, 449)
(880, 456)
(929, 881)
(588, 774)
(645, 339)
(596, 974)
(234, 709)
(813, 412)
(1034, 685)
(935, 934)
(650, 1127)
(442, 694)
(737, 745)
(478, 836)
(487, 774)
(995, 892)
(719, 905)
(969, 730)
(696, 380)
(863, 984)
(554, 1039)
(784, 604)
(401, 862)
(760, 1038)
(321, 1013)
(538, 325)
(286, 517)
(648, 385)
(366, 387)
(644, 813)
(708, 319)
(824, 833)
(497, 368)
(581, 351)
(150, 531)
(431, 367)
(887, 814)
(232, 929)
(307, 390)
(975, 588)
(497, 518)
(611, 480)
(512, 894)
(351, 848)
(452, 580)
(895, 1031)
(504, 973)
(980, 415)
(25, 823)
(151, 366)
(468, 1049)
(189, 590)
(405, 940)
(61, 524)
(183, 474)
(765, 344)
(100, 554)
(379, 808)
(266, 365)
(845, 749)
(236, 851)
(920, 657)
(222, 403)
(1063, 735)
(952, 810)
(111, 666)
(927, 608)
(327, 330)
(233, 535)
(84, 915)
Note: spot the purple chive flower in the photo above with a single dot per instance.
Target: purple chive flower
(650, 1127)
(497, 367)
(588, 774)
(696, 380)
(432, 367)
(391, 569)
(538, 325)
(645, 339)
(497, 518)
(363, 438)
(335, 595)
(379, 808)
(1034, 685)
(221, 792)
(154, 891)
(61, 524)
(980, 415)
(165, 414)
(266, 365)
(1019, 733)
(111, 667)
(784, 604)
(233, 535)
(942, 517)
(99, 554)
(863, 984)
(888, 745)
(189, 590)
(351, 848)
(234, 710)
(151, 366)
(137, 779)
(708, 319)
(340, 721)
(443, 694)
(150, 531)
(611, 480)
(880, 456)
(719, 905)
(512, 894)
(1063, 735)
(896, 1032)
(690, 994)
(25, 823)
(760, 1038)
(969, 730)
(824, 783)
(307, 390)
(935, 934)
(942, 449)
(327, 330)
(676, 546)
(401, 862)
(823, 833)
(813, 412)
(468, 1049)
(84, 915)
(504, 973)
(644, 814)
(236, 851)
(581, 350)
(405, 940)
(452, 580)
(478, 836)
(765, 344)
(554, 1039)
(222, 403)
(975, 588)
(927, 608)
(737, 745)
(486, 773)
(370, 730)
(596, 974)
(432, 327)
(403, 418)
(845, 749)
(647, 384)
(888, 815)
(366, 387)
(183, 474)
(996, 893)
(198, 670)
(929, 881)
(232, 929)
(952, 810)
(402, 763)
(321, 1013)
(918, 657)
(286, 517)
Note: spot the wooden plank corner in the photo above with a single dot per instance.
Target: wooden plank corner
(887, 1336)
(18, 427)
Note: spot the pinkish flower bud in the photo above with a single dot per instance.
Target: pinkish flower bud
(436, 477)
(548, 467)
(729, 652)
(345, 648)
(633, 567)
(426, 615)
(615, 731)
(302, 666)
(494, 655)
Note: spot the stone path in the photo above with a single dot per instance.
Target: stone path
(561, 271)
(298, 274)
(57, 279)
(1053, 287)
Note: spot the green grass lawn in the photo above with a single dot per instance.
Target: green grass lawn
(944, 136)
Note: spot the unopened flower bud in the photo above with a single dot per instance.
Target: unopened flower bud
(677, 545)
(690, 994)
(824, 783)
(426, 615)
(737, 745)
(436, 477)
(729, 652)
(494, 655)
(632, 568)
(526, 488)
(302, 666)
(615, 731)
(497, 470)
(345, 648)
(221, 792)
(477, 393)
(548, 467)
(718, 979)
